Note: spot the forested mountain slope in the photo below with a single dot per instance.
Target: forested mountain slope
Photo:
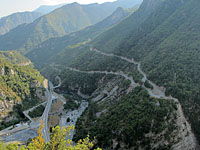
(21, 87)
(58, 47)
(135, 121)
(164, 37)
(10, 22)
(167, 44)
(62, 21)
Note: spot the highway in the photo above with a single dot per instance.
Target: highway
(27, 111)
(44, 117)
(25, 131)
(21, 136)
(45, 114)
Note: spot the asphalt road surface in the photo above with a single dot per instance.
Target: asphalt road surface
(21, 136)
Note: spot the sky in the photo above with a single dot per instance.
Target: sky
(11, 6)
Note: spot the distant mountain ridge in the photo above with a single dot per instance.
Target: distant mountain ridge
(62, 21)
(56, 47)
(10, 22)
(45, 9)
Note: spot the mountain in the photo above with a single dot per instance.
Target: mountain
(10, 22)
(45, 9)
(58, 47)
(167, 46)
(21, 87)
(62, 21)
(122, 3)
(164, 37)
(139, 72)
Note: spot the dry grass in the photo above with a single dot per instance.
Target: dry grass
(53, 120)
(57, 107)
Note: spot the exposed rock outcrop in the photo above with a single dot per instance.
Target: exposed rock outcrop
(2, 71)
(5, 108)
(187, 140)
(26, 63)
(12, 71)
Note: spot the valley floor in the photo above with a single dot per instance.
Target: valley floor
(188, 141)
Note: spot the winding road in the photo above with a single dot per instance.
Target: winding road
(133, 84)
(156, 92)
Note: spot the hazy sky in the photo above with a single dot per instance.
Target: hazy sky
(10, 6)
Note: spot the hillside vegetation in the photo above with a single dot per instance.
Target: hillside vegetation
(127, 123)
(19, 87)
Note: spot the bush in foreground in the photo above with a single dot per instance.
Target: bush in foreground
(57, 142)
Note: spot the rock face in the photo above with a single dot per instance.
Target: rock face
(12, 71)
(26, 63)
(184, 133)
(6, 106)
(2, 71)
